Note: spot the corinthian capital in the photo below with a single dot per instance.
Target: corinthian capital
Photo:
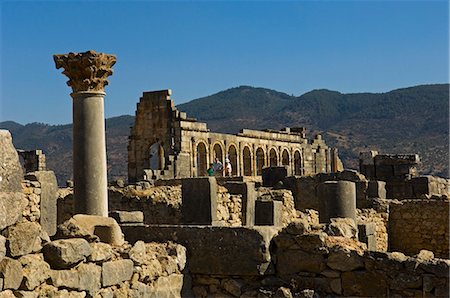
(86, 71)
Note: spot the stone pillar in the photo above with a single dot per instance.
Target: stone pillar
(87, 73)
(336, 199)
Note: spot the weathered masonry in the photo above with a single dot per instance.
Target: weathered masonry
(165, 143)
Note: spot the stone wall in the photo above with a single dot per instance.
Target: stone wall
(420, 224)
(314, 264)
(229, 208)
(379, 224)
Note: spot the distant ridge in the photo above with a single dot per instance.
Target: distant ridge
(407, 120)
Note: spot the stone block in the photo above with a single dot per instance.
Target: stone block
(11, 206)
(367, 235)
(49, 196)
(82, 225)
(24, 238)
(85, 277)
(199, 200)
(100, 252)
(268, 213)
(294, 261)
(66, 253)
(273, 175)
(35, 271)
(11, 174)
(214, 250)
(248, 193)
(115, 272)
(11, 273)
(127, 216)
(399, 190)
(343, 259)
(376, 189)
(364, 284)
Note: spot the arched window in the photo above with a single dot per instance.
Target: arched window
(273, 158)
(285, 158)
(260, 160)
(202, 165)
(156, 157)
(232, 155)
(247, 159)
(297, 163)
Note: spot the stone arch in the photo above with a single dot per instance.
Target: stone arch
(247, 161)
(297, 163)
(201, 159)
(217, 151)
(233, 156)
(156, 156)
(260, 160)
(273, 157)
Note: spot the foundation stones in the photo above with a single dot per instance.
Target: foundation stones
(116, 271)
(11, 273)
(24, 238)
(66, 253)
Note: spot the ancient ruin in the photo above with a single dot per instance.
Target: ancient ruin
(166, 143)
(290, 221)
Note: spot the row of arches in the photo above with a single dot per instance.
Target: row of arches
(247, 163)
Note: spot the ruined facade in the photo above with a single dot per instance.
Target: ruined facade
(165, 143)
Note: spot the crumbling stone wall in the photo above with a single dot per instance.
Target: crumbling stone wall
(310, 263)
(289, 213)
(420, 224)
(34, 160)
(379, 221)
(229, 208)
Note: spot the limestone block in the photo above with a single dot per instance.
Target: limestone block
(35, 271)
(65, 253)
(214, 250)
(11, 173)
(127, 216)
(268, 213)
(294, 261)
(116, 272)
(344, 227)
(24, 238)
(49, 196)
(247, 191)
(100, 252)
(85, 277)
(343, 259)
(92, 227)
(376, 189)
(364, 284)
(298, 227)
(11, 272)
(199, 200)
(11, 206)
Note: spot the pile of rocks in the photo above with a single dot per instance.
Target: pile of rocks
(88, 257)
(229, 208)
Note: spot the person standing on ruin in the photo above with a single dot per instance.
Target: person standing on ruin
(210, 170)
(217, 167)
(228, 168)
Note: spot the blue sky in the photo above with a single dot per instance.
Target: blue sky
(197, 48)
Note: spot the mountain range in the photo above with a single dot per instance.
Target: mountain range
(408, 120)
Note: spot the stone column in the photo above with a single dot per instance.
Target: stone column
(87, 73)
(336, 199)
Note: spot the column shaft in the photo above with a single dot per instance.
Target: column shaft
(89, 153)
